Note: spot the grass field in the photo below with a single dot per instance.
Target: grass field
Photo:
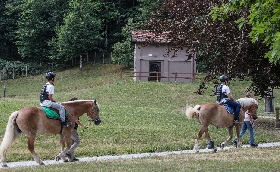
(136, 117)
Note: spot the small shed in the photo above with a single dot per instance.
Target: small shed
(155, 60)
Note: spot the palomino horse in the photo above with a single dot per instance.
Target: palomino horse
(33, 120)
(218, 116)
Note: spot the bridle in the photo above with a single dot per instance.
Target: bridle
(94, 108)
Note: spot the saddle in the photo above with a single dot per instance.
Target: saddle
(52, 113)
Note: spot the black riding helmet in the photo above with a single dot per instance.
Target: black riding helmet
(50, 75)
(223, 78)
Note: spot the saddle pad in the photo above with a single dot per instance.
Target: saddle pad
(229, 109)
(51, 113)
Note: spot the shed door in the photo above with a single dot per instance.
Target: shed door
(154, 71)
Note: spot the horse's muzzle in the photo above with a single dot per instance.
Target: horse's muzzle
(97, 121)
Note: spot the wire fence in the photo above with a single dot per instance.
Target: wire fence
(13, 71)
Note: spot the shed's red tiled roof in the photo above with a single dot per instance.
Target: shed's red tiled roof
(149, 36)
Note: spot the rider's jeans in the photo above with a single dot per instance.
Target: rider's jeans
(236, 107)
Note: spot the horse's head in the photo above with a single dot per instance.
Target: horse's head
(250, 104)
(253, 109)
(93, 113)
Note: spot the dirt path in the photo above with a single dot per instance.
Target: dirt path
(128, 156)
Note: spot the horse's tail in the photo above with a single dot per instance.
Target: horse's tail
(193, 112)
(12, 132)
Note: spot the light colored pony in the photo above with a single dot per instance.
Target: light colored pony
(218, 116)
(33, 120)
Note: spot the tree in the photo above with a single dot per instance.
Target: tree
(264, 21)
(80, 31)
(8, 27)
(224, 45)
(36, 24)
(122, 50)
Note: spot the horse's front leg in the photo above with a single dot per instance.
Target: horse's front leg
(230, 133)
(62, 153)
(238, 128)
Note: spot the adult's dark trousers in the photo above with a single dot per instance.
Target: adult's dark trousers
(236, 106)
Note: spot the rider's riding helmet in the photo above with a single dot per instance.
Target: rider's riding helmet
(223, 78)
(50, 75)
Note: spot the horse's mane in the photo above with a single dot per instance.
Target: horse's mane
(245, 102)
(73, 101)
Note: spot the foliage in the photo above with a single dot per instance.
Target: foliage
(80, 31)
(223, 45)
(36, 23)
(263, 19)
(41, 31)
(16, 69)
(123, 50)
(8, 28)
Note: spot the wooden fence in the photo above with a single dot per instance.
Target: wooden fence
(158, 75)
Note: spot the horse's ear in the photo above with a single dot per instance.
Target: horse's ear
(94, 101)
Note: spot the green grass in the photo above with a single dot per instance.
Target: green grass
(136, 116)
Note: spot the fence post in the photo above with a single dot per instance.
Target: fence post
(81, 62)
(157, 76)
(139, 76)
(5, 82)
(26, 70)
(103, 58)
(269, 102)
(13, 73)
(277, 121)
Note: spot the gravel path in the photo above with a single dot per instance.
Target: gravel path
(129, 156)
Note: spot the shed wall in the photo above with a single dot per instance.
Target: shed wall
(152, 61)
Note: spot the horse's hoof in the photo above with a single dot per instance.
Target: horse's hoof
(42, 163)
(222, 145)
(4, 165)
(66, 160)
(57, 158)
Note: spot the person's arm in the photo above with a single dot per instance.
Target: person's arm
(228, 93)
(51, 98)
(80, 124)
(230, 96)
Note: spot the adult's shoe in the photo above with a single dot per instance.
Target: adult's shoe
(254, 145)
